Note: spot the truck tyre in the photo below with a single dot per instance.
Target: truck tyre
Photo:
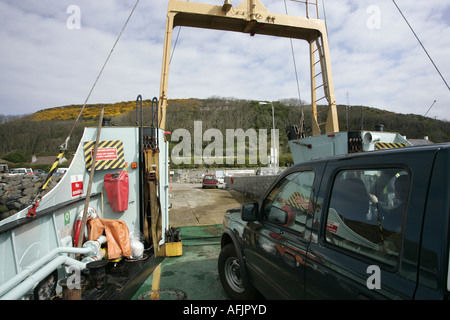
(231, 276)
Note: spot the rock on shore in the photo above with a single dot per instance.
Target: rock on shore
(18, 192)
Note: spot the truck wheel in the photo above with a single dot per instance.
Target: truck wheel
(231, 277)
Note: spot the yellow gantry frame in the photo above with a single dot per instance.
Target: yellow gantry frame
(253, 18)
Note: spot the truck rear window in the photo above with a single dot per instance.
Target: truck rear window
(365, 212)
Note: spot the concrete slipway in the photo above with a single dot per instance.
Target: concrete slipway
(193, 275)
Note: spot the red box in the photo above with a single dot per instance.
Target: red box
(116, 186)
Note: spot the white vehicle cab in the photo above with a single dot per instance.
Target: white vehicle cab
(20, 171)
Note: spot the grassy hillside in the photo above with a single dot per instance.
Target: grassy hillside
(43, 132)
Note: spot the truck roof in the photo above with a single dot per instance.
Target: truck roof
(379, 153)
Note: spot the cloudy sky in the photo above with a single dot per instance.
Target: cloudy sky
(50, 55)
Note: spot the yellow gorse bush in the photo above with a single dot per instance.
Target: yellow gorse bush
(89, 112)
(111, 110)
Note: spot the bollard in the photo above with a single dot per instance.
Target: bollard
(97, 274)
(73, 293)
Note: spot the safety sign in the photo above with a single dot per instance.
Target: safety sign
(76, 185)
(110, 155)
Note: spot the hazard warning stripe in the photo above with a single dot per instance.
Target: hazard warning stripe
(389, 145)
(110, 155)
(297, 200)
(300, 201)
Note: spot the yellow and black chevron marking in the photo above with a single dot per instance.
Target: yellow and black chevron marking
(109, 155)
(52, 169)
(389, 145)
(299, 201)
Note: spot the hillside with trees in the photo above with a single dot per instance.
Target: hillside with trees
(43, 132)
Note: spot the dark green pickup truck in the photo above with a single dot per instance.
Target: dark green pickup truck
(371, 225)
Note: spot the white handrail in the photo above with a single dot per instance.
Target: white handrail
(18, 291)
(47, 262)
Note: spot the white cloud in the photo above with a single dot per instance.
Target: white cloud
(44, 64)
(386, 67)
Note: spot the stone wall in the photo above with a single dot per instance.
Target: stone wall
(17, 192)
(254, 187)
(190, 175)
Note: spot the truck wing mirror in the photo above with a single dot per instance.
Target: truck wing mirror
(249, 211)
(277, 215)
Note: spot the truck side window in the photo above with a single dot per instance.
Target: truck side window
(365, 212)
(292, 196)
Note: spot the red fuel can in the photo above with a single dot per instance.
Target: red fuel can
(116, 186)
